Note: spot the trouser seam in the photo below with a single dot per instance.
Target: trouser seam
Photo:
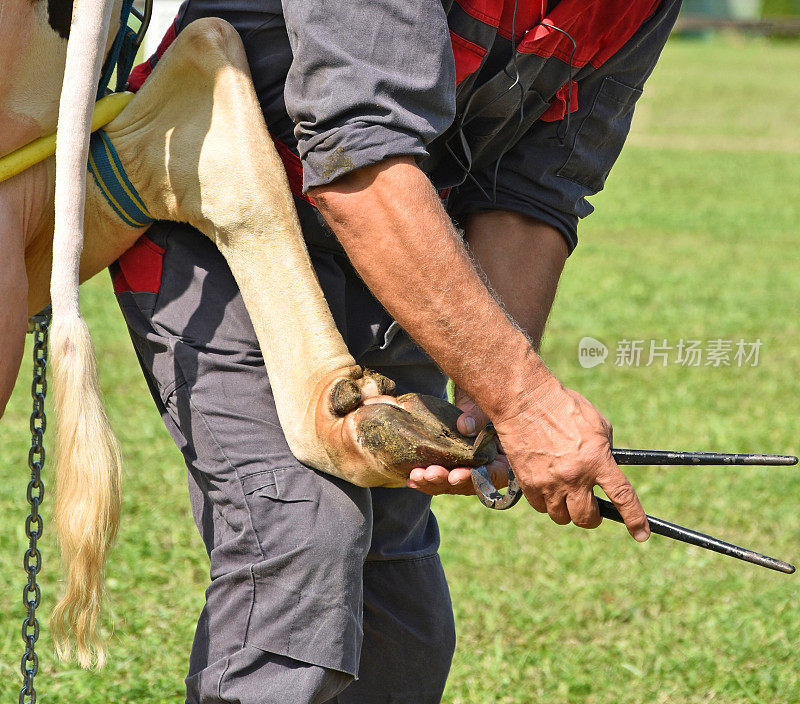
(235, 471)
(222, 677)
(407, 560)
(252, 605)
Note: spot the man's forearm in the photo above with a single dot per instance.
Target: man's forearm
(522, 258)
(400, 239)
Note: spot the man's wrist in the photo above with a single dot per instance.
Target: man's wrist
(521, 379)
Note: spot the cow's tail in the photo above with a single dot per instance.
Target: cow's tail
(88, 471)
(88, 489)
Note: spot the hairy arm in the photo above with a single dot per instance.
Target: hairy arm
(521, 258)
(398, 236)
(401, 241)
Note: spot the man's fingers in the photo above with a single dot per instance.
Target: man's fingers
(472, 422)
(498, 471)
(535, 499)
(583, 509)
(460, 476)
(434, 475)
(473, 419)
(557, 509)
(435, 480)
(623, 496)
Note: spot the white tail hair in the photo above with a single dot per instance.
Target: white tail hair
(88, 468)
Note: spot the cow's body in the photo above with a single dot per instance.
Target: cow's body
(33, 52)
(33, 40)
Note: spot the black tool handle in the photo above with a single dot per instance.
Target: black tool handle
(491, 498)
(693, 537)
(671, 457)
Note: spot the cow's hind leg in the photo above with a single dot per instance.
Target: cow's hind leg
(195, 145)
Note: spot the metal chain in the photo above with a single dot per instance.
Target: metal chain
(34, 524)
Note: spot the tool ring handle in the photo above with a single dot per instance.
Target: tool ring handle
(488, 494)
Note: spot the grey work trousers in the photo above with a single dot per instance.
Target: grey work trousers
(314, 581)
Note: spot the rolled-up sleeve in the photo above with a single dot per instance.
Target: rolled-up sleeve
(368, 81)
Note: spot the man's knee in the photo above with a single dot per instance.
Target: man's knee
(301, 594)
(253, 676)
(408, 619)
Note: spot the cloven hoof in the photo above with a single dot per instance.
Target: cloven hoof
(420, 431)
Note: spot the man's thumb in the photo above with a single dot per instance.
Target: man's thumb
(471, 421)
(467, 425)
(472, 418)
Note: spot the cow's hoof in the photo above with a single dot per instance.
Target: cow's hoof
(418, 432)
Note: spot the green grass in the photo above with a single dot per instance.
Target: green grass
(694, 238)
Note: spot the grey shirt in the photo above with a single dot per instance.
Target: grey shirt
(348, 84)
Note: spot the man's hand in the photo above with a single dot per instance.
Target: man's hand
(550, 478)
(559, 446)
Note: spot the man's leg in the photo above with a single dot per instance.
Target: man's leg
(407, 610)
(409, 633)
(282, 621)
(254, 675)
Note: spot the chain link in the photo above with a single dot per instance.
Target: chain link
(34, 525)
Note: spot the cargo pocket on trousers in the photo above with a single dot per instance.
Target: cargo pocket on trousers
(306, 602)
(283, 505)
(601, 135)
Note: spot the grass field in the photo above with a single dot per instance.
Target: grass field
(694, 238)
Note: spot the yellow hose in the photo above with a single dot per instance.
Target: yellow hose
(105, 110)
